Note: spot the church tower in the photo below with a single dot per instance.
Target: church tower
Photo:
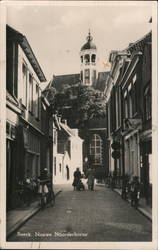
(88, 56)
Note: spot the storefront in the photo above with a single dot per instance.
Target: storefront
(11, 156)
(146, 165)
(31, 153)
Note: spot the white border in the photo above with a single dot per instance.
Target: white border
(80, 245)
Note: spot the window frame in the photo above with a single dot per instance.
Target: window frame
(25, 83)
(96, 156)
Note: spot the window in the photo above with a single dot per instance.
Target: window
(126, 107)
(116, 107)
(11, 68)
(147, 103)
(87, 58)
(119, 107)
(134, 99)
(81, 75)
(93, 58)
(130, 104)
(87, 76)
(30, 93)
(134, 78)
(81, 59)
(54, 165)
(93, 75)
(24, 74)
(60, 167)
(37, 101)
(96, 149)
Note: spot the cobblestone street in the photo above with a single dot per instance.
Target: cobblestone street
(86, 216)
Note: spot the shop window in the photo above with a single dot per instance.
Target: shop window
(96, 149)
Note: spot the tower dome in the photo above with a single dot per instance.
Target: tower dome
(88, 55)
(89, 44)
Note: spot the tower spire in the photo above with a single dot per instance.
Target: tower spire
(89, 37)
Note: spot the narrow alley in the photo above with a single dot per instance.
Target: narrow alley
(99, 215)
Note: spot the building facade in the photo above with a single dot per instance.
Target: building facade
(128, 92)
(67, 153)
(24, 126)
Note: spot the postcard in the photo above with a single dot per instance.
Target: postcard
(79, 125)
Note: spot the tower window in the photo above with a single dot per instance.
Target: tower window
(87, 76)
(81, 75)
(93, 76)
(87, 58)
(93, 58)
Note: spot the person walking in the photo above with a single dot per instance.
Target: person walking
(135, 192)
(77, 177)
(90, 176)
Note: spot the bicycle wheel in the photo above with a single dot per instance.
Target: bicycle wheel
(52, 198)
(43, 201)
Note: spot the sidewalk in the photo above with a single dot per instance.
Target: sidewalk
(143, 208)
(16, 217)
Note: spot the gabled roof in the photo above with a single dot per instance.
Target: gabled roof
(139, 44)
(101, 81)
(13, 34)
(58, 82)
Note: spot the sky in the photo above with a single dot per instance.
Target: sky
(56, 33)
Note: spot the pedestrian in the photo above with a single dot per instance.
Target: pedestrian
(135, 192)
(44, 182)
(77, 177)
(90, 176)
(125, 186)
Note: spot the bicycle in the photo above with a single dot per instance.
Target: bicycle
(47, 195)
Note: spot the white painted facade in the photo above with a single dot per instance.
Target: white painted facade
(64, 164)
